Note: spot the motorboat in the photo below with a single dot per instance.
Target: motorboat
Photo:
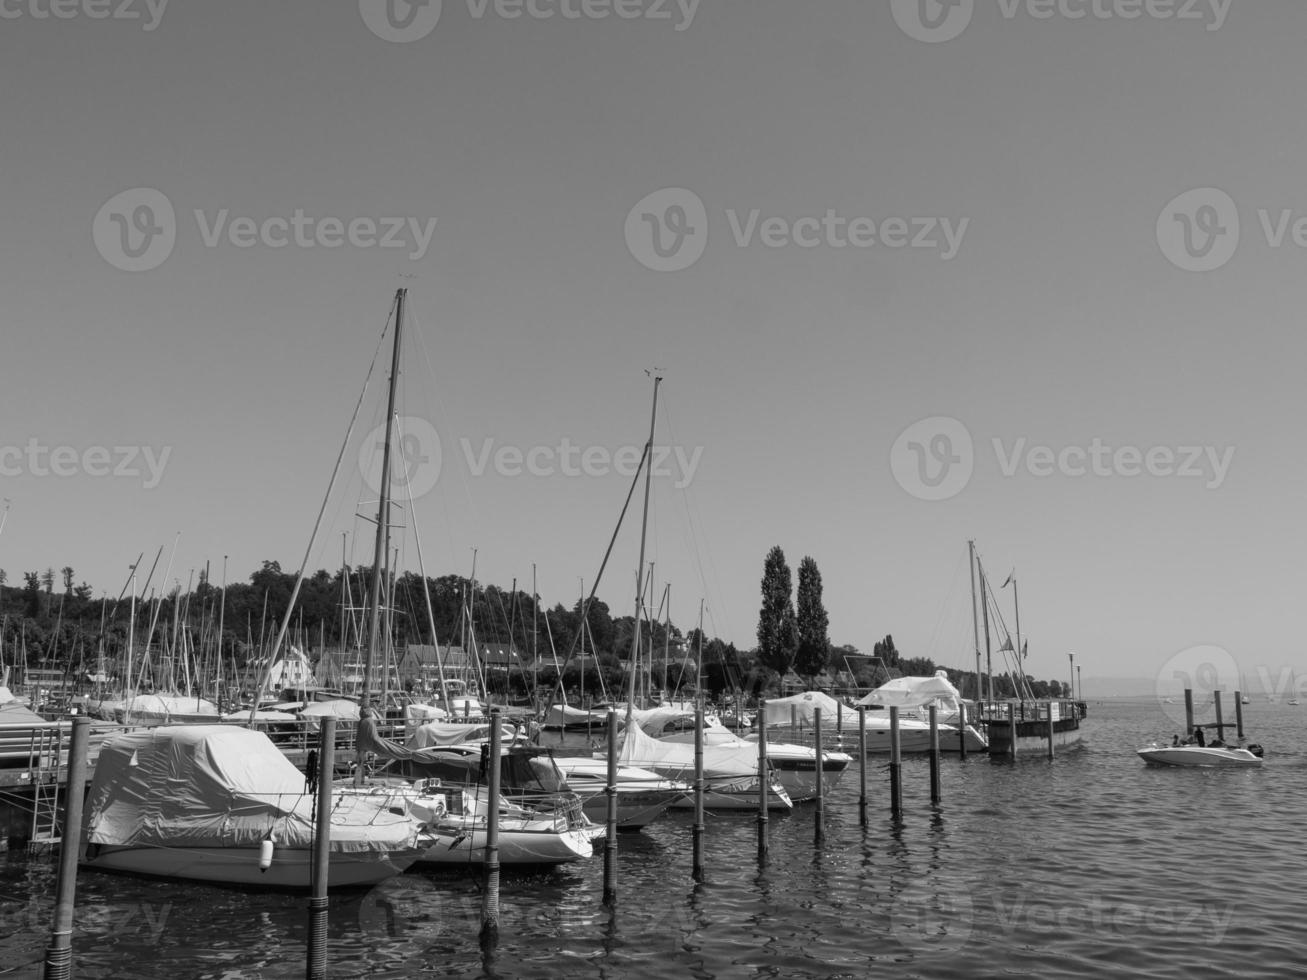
(221, 804)
(794, 767)
(1202, 755)
(914, 696)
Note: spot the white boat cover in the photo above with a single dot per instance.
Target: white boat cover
(342, 709)
(779, 711)
(161, 708)
(454, 733)
(643, 752)
(221, 786)
(268, 716)
(654, 720)
(913, 692)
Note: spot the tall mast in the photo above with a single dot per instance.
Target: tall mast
(639, 568)
(379, 555)
(535, 635)
(975, 614)
(1021, 668)
(989, 663)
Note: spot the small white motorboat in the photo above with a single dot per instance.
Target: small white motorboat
(1202, 755)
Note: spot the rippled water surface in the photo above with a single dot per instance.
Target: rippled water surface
(1091, 865)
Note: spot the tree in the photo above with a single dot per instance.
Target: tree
(67, 571)
(32, 594)
(813, 654)
(885, 650)
(47, 580)
(778, 635)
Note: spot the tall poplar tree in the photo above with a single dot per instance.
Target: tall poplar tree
(778, 635)
(813, 655)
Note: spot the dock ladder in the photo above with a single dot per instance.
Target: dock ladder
(44, 760)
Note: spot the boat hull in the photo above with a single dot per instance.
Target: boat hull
(456, 844)
(1198, 756)
(291, 869)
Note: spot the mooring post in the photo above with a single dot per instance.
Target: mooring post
(1220, 728)
(933, 711)
(1012, 729)
(1238, 713)
(1188, 712)
(820, 799)
(962, 729)
(794, 720)
(697, 870)
(862, 763)
(610, 838)
(59, 953)
(490, 900)
(317, 965)
(839, 720)
(895, 765)
(1050, 729)
(763, 779)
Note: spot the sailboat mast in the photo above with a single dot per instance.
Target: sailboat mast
(984, 609)
(975, 615)
(644, 529)
(1021, 668)
(380, 556)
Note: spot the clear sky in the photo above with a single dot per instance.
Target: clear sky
(1038, 289)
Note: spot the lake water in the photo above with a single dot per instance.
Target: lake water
(1091, 865)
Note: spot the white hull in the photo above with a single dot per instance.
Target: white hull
(1198, 756)
(642, 795)
(457, 844)
(914, 739)
(290, 869)
(737, 794)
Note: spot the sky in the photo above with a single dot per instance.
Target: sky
(1028, 273)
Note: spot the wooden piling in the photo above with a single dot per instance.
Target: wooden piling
(839, 719)
(697, 869)
(490, 896)
(1012, 729)
(820, 796)
(1220, 728)
(794, 720)
(933, 712)
(317, 950)
(1050, 729)
(763, 780)
(610, 838)
(1238, 713)
(59, 953)
(895, 765)
(962, 730)
(862, 764)
(1188, 712)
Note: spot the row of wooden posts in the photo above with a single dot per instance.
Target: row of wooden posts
(58, 958)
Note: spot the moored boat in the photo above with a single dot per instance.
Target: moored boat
(220, 804)
(1201, 755)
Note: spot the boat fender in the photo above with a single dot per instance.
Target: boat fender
(265, 855)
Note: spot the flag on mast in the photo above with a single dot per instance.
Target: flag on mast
(1010, 576)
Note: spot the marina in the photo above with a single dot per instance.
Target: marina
(914, 894)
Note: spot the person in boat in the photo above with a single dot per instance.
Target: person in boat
(1198, 736)
(1175, 741)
